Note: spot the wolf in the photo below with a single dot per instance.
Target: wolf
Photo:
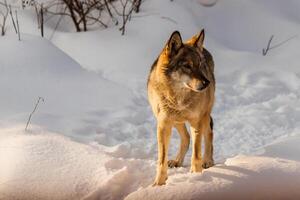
(181, 89)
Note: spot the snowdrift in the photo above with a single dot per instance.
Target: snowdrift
(45, 165)
(34, 67)
(241, 177)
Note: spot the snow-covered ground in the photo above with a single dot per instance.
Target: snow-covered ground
(45, 165)
(94, 135)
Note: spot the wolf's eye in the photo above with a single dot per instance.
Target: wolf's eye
(187, 68)
(181, 63)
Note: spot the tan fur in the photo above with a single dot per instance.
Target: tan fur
(175, 103)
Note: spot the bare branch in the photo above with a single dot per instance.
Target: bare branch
(18, 26)
(127, 8)
(12, 19)
(34, 109)
(281, 43)
(4, 17)
(56, 26)
(137, 5)
(169, 19)
(42, 20)
(86, 13)
(265, 51)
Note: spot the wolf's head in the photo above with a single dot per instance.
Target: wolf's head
(185, 64)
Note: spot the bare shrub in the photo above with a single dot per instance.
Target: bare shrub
(124, 9)
(82, 12)
(4, 11)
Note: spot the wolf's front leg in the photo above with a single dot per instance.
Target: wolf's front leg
(196, 162)
(164, 129)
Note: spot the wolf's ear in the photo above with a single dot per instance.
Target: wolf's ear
(197, 40)
(174, 43)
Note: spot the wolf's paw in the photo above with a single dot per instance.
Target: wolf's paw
(160, 180)
(174, 163)
(196, 168)
(207, 163)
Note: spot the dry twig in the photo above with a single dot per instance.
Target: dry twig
(35, 107)
(269, 47)
(4, 15)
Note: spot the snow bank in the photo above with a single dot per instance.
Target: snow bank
(34, 67)
(45, 165)
(240, 178)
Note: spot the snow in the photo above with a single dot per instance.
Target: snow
(71, 93)
(241, 177)
(94, 135)
(274, 174)
(47, 166)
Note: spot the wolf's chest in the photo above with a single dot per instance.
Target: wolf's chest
(183, 108)
(183, 104)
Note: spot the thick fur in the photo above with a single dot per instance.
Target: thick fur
(181, 88)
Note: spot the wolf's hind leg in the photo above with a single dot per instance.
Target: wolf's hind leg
(184, 146)
(208, 138)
